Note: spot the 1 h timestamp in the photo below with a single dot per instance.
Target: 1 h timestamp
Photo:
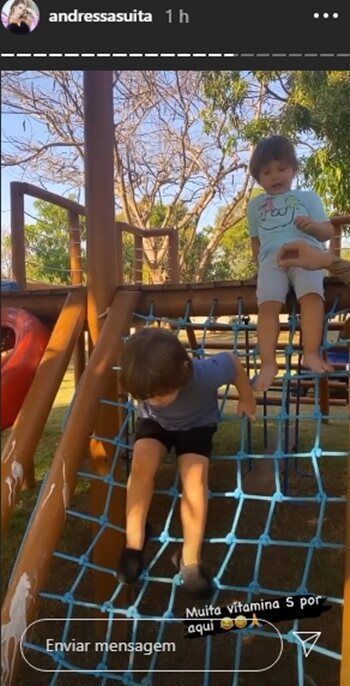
(178, 16)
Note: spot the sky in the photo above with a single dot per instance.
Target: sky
(10, 124)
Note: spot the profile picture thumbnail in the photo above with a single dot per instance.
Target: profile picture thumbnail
(20, 16)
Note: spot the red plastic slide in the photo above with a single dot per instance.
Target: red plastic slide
(23, 341)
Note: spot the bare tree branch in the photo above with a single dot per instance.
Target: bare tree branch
(167, 163)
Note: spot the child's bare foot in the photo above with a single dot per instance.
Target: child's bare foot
(316, 363)
(266, 377)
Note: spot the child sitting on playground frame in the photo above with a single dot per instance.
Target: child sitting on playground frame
(278, 216)
(178, 408)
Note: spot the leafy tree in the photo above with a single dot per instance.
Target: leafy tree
(47, 245)
(320, 103)
(312, 108)
(233, 259)
(6, 257)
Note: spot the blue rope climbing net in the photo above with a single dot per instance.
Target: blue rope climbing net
(284, 428)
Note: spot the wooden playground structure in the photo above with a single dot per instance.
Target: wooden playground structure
(103, 307)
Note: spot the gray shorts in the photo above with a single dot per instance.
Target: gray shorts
(274, 283)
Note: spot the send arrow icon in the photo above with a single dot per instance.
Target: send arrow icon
(308, 640)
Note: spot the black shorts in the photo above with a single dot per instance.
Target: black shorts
(197, 440)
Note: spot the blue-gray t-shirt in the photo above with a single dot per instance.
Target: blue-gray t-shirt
(271, 219)
(196, 404)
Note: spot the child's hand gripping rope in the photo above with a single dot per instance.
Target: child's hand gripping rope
(246, 402)
(247, 407)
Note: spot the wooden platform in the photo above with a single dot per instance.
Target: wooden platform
(170, 300)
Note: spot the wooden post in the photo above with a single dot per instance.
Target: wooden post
(17, 235)
(138, 258)
(104, 271)
(76, 274)
(34, 561)
(99, 182)
(324, 399)
(174, 271)
(345, 650)
(335, 241)
(76, 269)
(18, 453)
(79, 358)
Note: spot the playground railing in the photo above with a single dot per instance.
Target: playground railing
(75, 211)
(140, 235)
(336, 240)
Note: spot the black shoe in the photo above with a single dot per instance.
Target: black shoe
(130, 563)
(196, 582)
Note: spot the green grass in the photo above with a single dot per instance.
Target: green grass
(43, 460)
